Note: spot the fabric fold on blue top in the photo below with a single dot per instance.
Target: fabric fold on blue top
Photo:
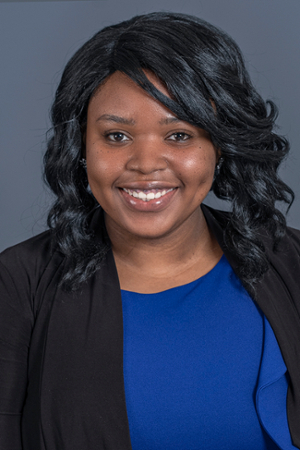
(271, 391)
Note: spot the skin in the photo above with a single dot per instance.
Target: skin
(132, 141)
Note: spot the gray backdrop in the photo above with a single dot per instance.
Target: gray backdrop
(37, 39)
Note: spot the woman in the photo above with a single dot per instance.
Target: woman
(144, 319)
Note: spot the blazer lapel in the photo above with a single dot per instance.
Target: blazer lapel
(83, 397)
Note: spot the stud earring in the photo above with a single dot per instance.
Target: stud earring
(218, 166)
(82, 162)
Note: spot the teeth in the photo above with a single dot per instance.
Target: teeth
(149, 196)
(142, 196)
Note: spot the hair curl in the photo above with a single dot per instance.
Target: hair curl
(205, 75)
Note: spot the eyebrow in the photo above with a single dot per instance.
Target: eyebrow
(169, 120)
(118, 119)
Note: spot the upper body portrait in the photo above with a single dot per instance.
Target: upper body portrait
(143, 319)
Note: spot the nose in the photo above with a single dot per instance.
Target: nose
(147, 156)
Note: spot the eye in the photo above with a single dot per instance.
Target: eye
(179, 137)
(116, 137)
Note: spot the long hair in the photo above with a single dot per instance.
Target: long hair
(205, 75)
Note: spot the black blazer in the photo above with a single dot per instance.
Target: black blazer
(61, 377)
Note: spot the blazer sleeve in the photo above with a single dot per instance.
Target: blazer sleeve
(16, 323)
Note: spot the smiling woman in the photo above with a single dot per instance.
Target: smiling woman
(142, 319)
(150, 171)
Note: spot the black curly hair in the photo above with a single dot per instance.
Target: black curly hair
(205, 75)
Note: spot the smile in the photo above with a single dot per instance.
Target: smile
(147, 195)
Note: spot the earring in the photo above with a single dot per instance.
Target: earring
(218, 166)
(82, 162)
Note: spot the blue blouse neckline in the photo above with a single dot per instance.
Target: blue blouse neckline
(272, 385)
(186, 285)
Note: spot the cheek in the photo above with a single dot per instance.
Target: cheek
(103, 166)
(100, 182)
(198, 169)
(103, 171)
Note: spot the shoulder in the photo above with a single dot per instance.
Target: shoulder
(22, 266)
(288, 251)
(286, 258)
(294, 236)
(223, 217)
(33, 252)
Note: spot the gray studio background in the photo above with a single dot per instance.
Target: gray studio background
(37, 39)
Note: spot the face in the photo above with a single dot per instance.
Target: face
(148, 170)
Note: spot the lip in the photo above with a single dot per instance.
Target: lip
(155, 205)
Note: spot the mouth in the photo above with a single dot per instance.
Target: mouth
(146, 195)
(151, 199)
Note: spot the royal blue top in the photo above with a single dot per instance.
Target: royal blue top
(202, 369)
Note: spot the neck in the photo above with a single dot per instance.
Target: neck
(185, 252)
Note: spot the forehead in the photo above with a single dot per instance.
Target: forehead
(120, 79)
(120, 92)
